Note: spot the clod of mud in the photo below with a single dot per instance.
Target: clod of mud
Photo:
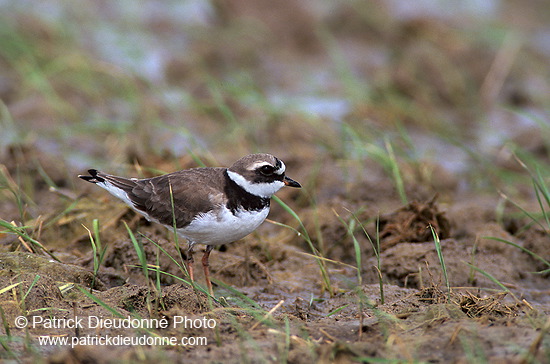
(183, 298)
(122, 256)
(146, 302)
(411, 224)
(240, 271)
(14, 264)
(537, 241)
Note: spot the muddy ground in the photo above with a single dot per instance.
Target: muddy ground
(419, 319)
(358, 278)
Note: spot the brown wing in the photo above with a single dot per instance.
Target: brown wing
(152, 195)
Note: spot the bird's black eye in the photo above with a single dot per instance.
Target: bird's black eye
(267, 170)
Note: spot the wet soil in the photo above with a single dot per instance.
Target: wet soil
(416, 316)
(360, 277)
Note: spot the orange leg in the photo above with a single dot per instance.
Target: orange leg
(190, 261)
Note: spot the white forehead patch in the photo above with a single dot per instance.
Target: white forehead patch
(281, 169)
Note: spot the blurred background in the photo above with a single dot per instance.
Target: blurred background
(437, 97)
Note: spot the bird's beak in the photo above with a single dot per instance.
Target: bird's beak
(291, 183)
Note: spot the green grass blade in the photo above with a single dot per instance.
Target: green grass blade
(437, 243)
(244, 299)
(294, 215)
(139, 250)
(396, 173)
(527, 213)
(20, 231)
(181, 266)
(100, 302)
(322, 267)
(525, 250)
(334, 312)
(540, 188)
(95, 227)
(492, 279)
(350, 227)
(5, 324)
(34, 281)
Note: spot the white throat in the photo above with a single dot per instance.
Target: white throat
(265, 190)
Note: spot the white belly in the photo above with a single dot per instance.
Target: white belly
(223, 227)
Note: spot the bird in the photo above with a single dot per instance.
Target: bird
(208, 205)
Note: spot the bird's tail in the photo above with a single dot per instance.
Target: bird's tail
(93, 177)
(105, 180)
